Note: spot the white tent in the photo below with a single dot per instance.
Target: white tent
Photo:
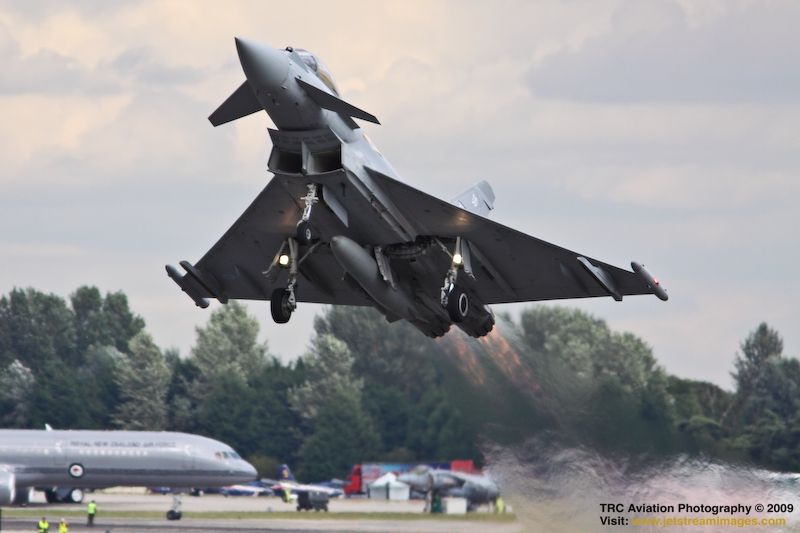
(387, 487)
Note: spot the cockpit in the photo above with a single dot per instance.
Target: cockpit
(318, 67)
(222, 455)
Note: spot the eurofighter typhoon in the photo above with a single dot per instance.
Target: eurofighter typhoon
(335, 225)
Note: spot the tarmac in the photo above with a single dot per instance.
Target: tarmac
(243, 513)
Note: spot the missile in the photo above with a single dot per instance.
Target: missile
(187, 286)
(651, 281)
(363, 268)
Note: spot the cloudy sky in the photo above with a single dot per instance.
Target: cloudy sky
(659, 131)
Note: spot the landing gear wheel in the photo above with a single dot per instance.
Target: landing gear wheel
(305, 233)
(457, 304)
(174, 515)
(75, 496)
(280, 306)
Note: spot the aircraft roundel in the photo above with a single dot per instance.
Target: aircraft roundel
(76, 470)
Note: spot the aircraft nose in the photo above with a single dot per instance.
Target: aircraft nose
(251, 470)
(264, 67)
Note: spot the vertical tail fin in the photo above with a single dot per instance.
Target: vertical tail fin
(285, 473)
(478, 199)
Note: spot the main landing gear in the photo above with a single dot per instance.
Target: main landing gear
(282, 302)
(453, 298)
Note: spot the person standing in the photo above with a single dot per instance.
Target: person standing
(91, 510)
(63, 527)
(43, 525)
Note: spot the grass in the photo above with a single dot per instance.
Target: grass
(262, 515)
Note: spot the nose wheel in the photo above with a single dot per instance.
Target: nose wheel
(175, 513)
(305, 233)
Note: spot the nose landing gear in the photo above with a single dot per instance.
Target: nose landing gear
(175, 513)
(305, 232)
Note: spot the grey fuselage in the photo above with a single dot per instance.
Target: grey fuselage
(99, 459)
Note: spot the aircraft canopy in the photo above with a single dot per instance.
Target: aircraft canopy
(319, 68)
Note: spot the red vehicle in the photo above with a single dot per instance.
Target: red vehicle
(365, 473)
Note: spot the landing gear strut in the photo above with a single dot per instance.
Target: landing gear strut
(175, 513)
(305, 233)
(453, 297)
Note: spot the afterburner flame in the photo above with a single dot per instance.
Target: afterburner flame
(508, 360)
(457, 346)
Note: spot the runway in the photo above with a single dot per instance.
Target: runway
(129, 512)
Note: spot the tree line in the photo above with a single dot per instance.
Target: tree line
(366, 390)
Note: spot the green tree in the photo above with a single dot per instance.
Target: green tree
(35, 328)
(98, 383)
(437, 430)
(103, 321)
(343, 435)
(58, 398)
(329, 371)
(761, 346)
(181, 398)
(275, 426)
(395, 355)
(604, 387)
(16, 387)
(226, 411)
(229, 342)
(143, 378)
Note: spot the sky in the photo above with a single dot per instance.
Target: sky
(664, 132)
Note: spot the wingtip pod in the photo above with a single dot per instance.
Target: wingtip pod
(651, 281)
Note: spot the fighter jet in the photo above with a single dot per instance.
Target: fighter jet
(63, 463)
(335, 225)
(286, 486)
(476, 489)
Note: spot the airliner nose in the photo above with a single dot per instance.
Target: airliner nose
(250, 470)
(264, 67)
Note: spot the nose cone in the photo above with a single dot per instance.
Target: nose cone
(250, 470)
(264, 67)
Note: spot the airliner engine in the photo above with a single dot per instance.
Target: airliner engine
(7, 487)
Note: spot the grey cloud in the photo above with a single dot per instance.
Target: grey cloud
(50, 72)
(38, 10)
(747, 55)
(46, 71)
(140, 65)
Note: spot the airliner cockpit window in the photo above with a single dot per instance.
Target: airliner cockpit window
(319, 68)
